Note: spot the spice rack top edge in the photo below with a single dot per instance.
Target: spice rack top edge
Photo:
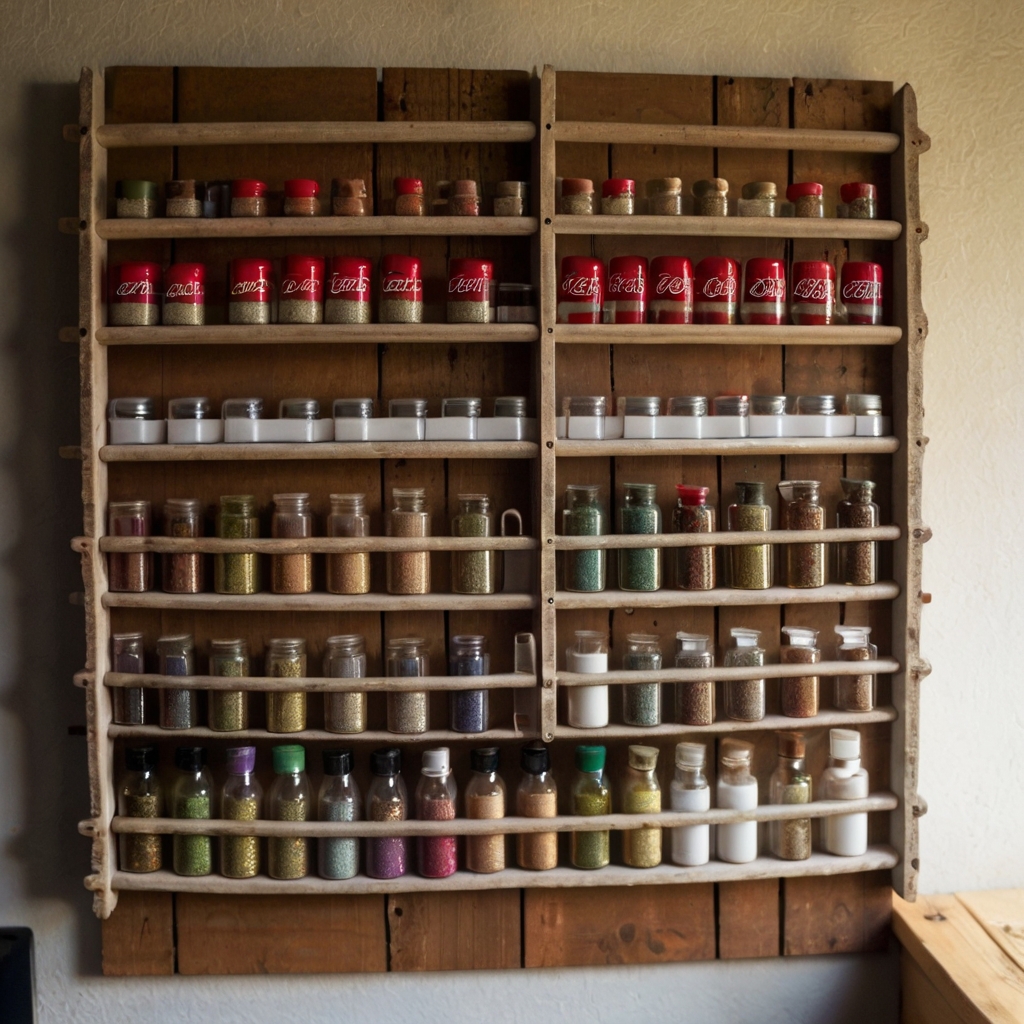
(728, 227)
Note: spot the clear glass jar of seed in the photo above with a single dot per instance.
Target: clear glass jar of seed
(286, 709)
(695, 701)
(744, 698)
(179, 707)
(750, 564)
(806, 564)
(228, 710)
(639, 568)
(584, 516)
(759, 199)
(641, 702)
(474, 572)
(858, 560)
(292, 520)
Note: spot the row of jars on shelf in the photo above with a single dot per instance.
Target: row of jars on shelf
(312, 290)
(750, 567)
(709, 197)
(669, 290)
(250, 197)
(193, 796)
(348, 572)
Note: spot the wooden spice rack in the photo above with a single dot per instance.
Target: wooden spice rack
(578, 124)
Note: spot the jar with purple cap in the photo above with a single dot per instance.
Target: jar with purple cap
(386, 800)
(240, 800)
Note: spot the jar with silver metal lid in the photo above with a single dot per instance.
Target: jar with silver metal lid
(510, 406)
(242, 408)
(299, 409)
(188, 409)
(688, 405)
(731, 405)
(134, 421)
(511, 198)
(767, 405)
(864, 405)
(816, 405)
(353, 408)
(131, 409)
(461, 407)
(408, 407)
(646, 406)
(516, 303)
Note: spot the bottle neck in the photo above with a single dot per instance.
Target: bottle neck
(691, 776)
(348, 504)
(291, 504)
(409, 501)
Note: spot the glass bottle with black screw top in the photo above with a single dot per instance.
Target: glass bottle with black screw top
(537, 797)
(139, 796)
(485, 798)
(192, 798)
(338, 800)
(386, 800)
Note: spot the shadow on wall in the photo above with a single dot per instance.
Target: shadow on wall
(40, 507)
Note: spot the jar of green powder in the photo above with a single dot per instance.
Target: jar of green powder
(237, 572)
(192, 797)
(590, 796)
(584, 516)
(639, 568)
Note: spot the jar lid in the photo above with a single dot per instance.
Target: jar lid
(691, 643)
(190, 759)
(745, 637)
(484, 759)
(647, 406)
(791, 744)
(299, 409)
(800, 636)
(860, 489)
(352, 642)
(614, 187)
(337, 762)
(515, 189)
(793, 489)
(642, 639)
(587, 405)
(643, 758)
(760, 190)
(470, 642)
(349, 188)
(415, 407)
(131, 409)
(289, 758)
(864, 405)
(710, 187)
(664, 187)
(141, 759)
(647, 492)
(854, 636)
(749, 492)
(435, 764)
(800, 189)
(301, 188)
(577, 187)
(844, 744)
(240, 760)
(767, 405)
(730, 405)
(816, 405)
(386, 761)
(353, 408)
(460, 407)
(535, 760)
(184, 188)
(408, 186)
(463, 187)
(691, 755)
(857, 190)
(692, 495)
(590, 758)
(735, 753)
(510, 405)
(132, 188)
(247, 188)
(688, 405)
(241, 408)
(188, 409)
(182, 506)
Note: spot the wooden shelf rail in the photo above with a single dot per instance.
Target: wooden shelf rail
(722, 538)
(721, 598)
(323, 684)
(711, 334)
(376, 737)
(312, 545)
(725, 446)
(880, 666)
(721, 227)
(320, 602)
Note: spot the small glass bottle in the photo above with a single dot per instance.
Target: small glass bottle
(240, 800)
(338, 800)
(855, 692)
(691, 844)
(695, 702)
(289, 799)
(577, 196)
(435, 801)
(474, 572)
(639, 568)
(790, 784)
(641, 794)
(801, 510)
(759, 199)
(386, 800)
(183, 570)
(695, 566)
(409, 198)
(248, 198)
(291, 574)
(139, 796)
(345, 658)
(286, 709)
(799, 694)
(845, 835)
(750, 564)
(192, 798)
(228, 710)
(537, 797)
(407, 709)
(744, 698)
(237, 572)
(664, 197)
(736, 842)
(179, 708)
(711, 197)
(808, 198)
(858, 560)
(408, 572)
(348, 572)
(301, 198)
(585, 516)
(641, 702)
(618, 196)
(129, 571)
(588, 705)
(467, 709)
(485, 798)
(860, 200)
(590, 795)
(128, 702)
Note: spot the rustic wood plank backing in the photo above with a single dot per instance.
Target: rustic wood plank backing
(138, 937)
(748, 919)
(838, 914)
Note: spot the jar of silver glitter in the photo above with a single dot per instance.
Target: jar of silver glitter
(178, 707)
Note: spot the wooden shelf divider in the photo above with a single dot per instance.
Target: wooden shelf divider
(724, 227)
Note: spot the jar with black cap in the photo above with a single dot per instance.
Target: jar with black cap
(338, 800)
(128, 702)
(537, 797)
(387, 800)
(192, 799)
(750, 564)
(216, 197)
(485, 798)
(179, 707)
(139, 796)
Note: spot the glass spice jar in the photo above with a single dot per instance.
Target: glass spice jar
(348, 572)
(716, 286)
(348, 291)
(618, 196)
(639, 568)
(349, 198)
(577, 197)
(790, 839)
(584, 516)
(485, 798)
(409, 198)
(511, 198)
(292, 520)
(744, 698)
(139, 796)
(808, 198)
(855, 692)
(537, 797)
(641, 794)
(216, 198)
(401, 290)
(286, 709)
(580, 291)
(858, 560)
(251, 291)
(345, 658)
(301, 299)
(301, 198)
(814, 293)
(861, 292)
(185, 295)
(469, 291)
(736, 790)
(474, 572)
(134, 299)
(671, 290)
(759, 199)
(695, 566)
(128, 702)
(129, 571)
(464, 199)
(591, 795)
(695, 702)
(386, 800)
(799, 694)
(249, 198)
(240, 800)
(135, 199)
(407, 710)
(338, 800)
(228, 710)
(437, 855)
(641, 702)
(179, 708)
(237, 572)
(626, 295)
(183, 570)
(860, 200)
(588, 705)
(184, 198)
(664, 197)
(764, 292)
(691, 844)
(192, 798)
(289, 799)
(408, 572)
(711, 197)
(845, 835)
(800, 509)
(750, 564)
(467, 709)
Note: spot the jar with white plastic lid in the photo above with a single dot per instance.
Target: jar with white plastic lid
(845, 835)
(855, 692)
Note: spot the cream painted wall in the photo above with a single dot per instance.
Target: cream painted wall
(965, 61)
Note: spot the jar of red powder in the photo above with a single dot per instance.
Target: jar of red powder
(134, 295)
(301, 198)
(251, 291)
(814, 293)
(248, 198)
(469, 291)
(764, 292)
(185, 294)
(618, 196)
(716, 286)
(301, 299)
(671, 290)
(580, 290)
(409, 198)
(861, 292)
(625, 299)
(348, 291)
(401, 290)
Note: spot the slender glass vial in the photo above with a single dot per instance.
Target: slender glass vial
(639, 568)
(695, 566)
(228, 710)
(855, 692)
(129, 704)
(799, 694)
(468, 708)
(845, 835)
(691, 844)
(590, 795)
(183, 570)
(750, 565)
(537, 797)
(407, 710)
(485, 798)
(744, 698)
(348, 572)
(237, 572)
(179, 708)
(474, 572)
(408, 572)
(857, 560)
(338, 800)
(801, 510)
(240, 799)
(641, 702)
(695, 702)
(292, 520)
(585, 516)
(286, 709)
(192, 797)
(736, 791)
(386, 800)
(641, 794)
(140, 796)
(435, 801)
(588, 705)
(289, 799)
(345, 658)
(790, 784)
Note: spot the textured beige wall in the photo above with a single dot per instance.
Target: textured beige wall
(965, 61)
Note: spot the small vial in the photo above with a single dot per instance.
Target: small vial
(289, 799)
(691, 844)
(845, 835)
(736, 791)
(588, 705)
(641, 794)
(744, 698)
(790, 784)
(338, 800)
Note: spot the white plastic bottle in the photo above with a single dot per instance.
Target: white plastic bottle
(691, 844)
(588, 705)
(845, 835)
(737, 791)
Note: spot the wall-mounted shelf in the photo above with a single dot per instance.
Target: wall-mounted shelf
(726, 227)
(318, 450)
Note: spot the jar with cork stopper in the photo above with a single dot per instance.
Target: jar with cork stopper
(711, 197)
(577, 197)
(695, 702)
(537, 797)
(855, 692)
(736, 790)
(845, 835)
(691, 844)
(744, 698)
(641, 794)
(695, 566)
(790, 839)
(799, 694)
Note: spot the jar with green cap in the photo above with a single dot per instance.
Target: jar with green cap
(139, 796)
(192, 797)
(136, 198)
(289, 800)
(639, 568)
(338, 800)
(590, 795)
(641, 794)
(750, 564)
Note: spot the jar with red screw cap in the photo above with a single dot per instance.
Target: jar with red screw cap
(764, 292)
(808, 198)
(695, 566)
(618, 196)
(251, 291)
(348, 197)
(301, 198)
(409, 198)
(401, 290)
(248, 198)
(302, 291)
(135, 295)
(859, 201)
(185, 295)
(469, 291)
(626, 295)
(716, 287)
(814, 293)
(671, 290)
(861, 292)
(580, 290)
(348, 291)
(577, 196)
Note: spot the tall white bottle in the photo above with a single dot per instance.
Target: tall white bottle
(737, 791)
(845, 835)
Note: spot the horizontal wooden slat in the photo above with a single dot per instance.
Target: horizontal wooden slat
(722, 674)
(720, 227)
(726, 446)
(721, 538)
(243, 452)
(370, 737)
(318, 602)
(830, 593)
(314, 545)
(709, 334)
(317, 684)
